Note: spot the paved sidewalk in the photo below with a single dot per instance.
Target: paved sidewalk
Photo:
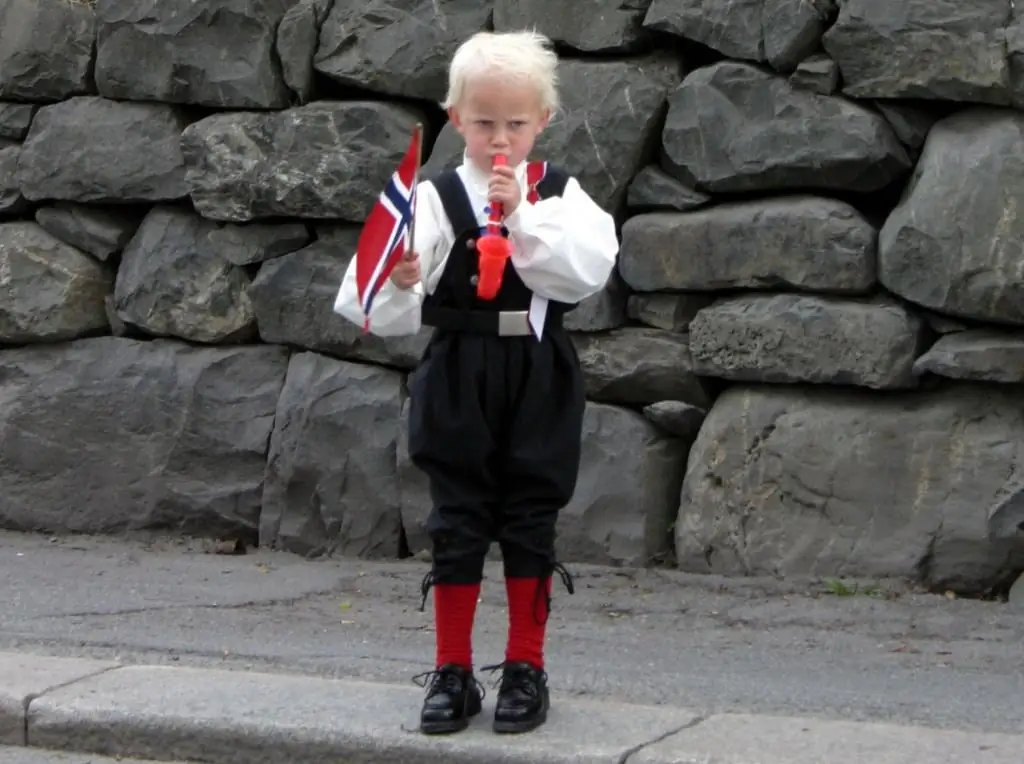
(237, 717)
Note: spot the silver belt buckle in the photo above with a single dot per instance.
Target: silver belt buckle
(513, 323)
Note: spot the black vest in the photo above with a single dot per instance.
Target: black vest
(456, 289)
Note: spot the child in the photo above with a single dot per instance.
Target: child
(496, 404)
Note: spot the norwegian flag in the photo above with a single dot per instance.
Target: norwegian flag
(388, 229)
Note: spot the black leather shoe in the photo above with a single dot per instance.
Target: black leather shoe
(453, 698)
(523, 700)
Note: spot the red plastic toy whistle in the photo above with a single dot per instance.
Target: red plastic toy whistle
(493, 249)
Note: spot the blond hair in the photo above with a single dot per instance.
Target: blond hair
(522, 56)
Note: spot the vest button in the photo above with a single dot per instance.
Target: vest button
(470, 244)
(474, 279)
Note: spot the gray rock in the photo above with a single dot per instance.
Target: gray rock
(779, 32)
(587, 25)
(108, 435)
(217, 53)
(11, 200)
(602, 311)
(735, 128)
(626, 498)
(824, 482)
(942, 324)
(297, 37)
(324, 160)
(102, 233)
(655, 189)
(639, 366)
(976, 354)
(397, 47)
(803, 338)
(1015, 598)
(611, 112)
(922, 49)
(255, 242)
(676, 418)
(817, 73)
(331, 482)
(293, 296)
(15, 119)
(52, 292)
(168, 288)
(89, 149)
(953, 242)
(732, 127)
(446, 153)
(1006, 518)
(671, 312)
(46, 49)
(799, 242)
(627, 492)
(911, 124)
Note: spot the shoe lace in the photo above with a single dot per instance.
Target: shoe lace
(516, 677)
(445, 681)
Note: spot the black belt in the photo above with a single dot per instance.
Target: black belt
(504, 323)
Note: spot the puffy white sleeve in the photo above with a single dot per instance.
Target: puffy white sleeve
(396, 312)
(565, 247)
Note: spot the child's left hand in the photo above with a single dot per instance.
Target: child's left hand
(504, 188)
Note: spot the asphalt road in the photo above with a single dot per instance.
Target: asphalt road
(651, 637)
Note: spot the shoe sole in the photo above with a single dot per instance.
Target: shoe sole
(512, 728)
(451, 727)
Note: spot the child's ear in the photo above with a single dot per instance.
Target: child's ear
(545, 119)
(453, 117)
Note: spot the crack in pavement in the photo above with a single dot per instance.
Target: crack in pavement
(624, 759)
(189, 606)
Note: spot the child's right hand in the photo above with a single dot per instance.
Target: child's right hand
(407, 273)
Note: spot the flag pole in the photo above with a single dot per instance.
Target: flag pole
(418, 138)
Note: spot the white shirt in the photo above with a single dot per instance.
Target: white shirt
(563, 248)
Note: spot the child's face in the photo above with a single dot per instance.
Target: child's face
(498, 117)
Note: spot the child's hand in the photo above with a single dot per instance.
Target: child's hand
(503, 188)
(407, 273)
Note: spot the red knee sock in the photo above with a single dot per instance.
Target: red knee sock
(454, 611)
(527, 619)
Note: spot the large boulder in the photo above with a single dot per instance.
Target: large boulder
(594, 26)
(46, 49)
(824, 482)
(102, 232)
(331, 479)
(168, 286)
(324, 160)
(953, 242)
(637, 366)
(52, 292)
(610, 115)
(397, 47)
(789, 338)
(733, 127)
(293, 297)
(778, 32)
(217, 53)
(108, 435)
(91, 149)
(923, 49)
(982, 355)
(801, 243)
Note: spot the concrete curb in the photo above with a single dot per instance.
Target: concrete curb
(236, 717)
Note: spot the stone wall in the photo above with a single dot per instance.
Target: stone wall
(809, 361)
